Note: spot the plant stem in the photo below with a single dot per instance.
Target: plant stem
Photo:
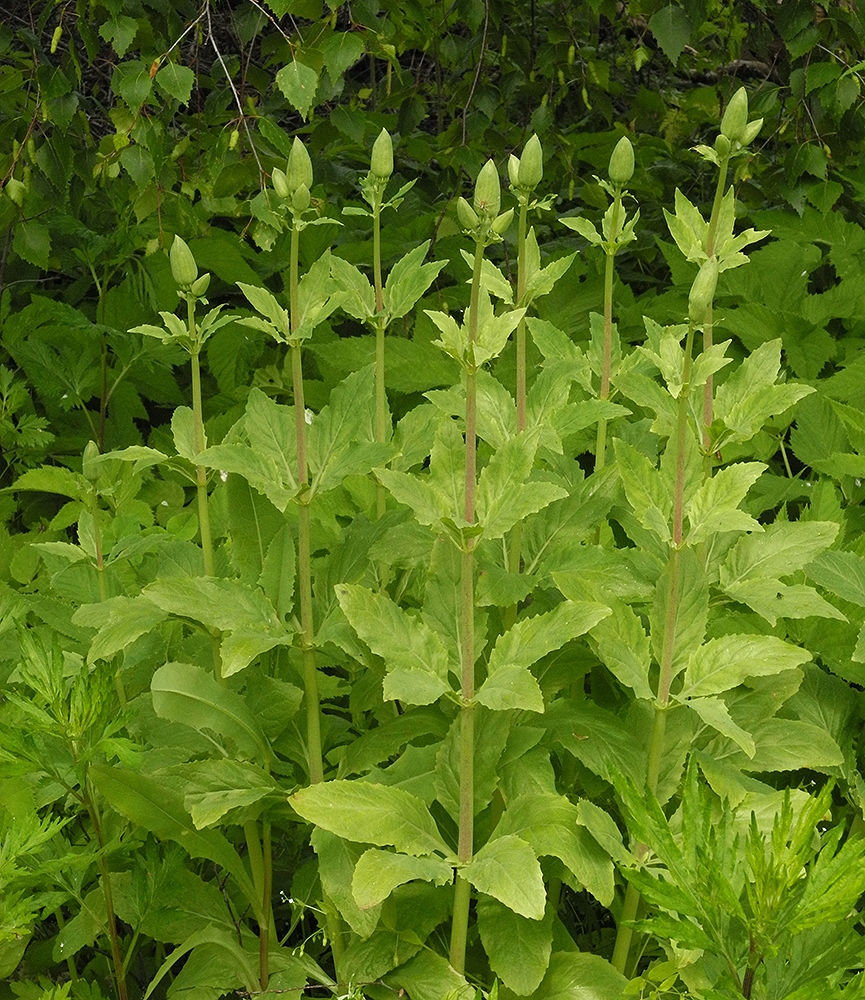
(708, 334)
(465, 849)
(380, 395)
(607, 359)
(198, 425)
(304, 552)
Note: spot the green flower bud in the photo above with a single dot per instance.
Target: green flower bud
(488, 191)
(531, 164)
(735, 118)
(723, 146)
(299, 169)
(280, 184)
(501, 222)
(466, 214)
(703, 290)
(300, 199)
(200, 286)
(514, 171)
(183, 267)
(381, 165)
(88, 462)
(621, 168)
(751, 131)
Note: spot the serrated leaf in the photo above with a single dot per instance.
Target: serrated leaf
(298, 84)
(368, 813)
(724, 663)
(415, 658)
(781, 549)
(214, 788)
(507, 869)
(715, 505)
(646, 490)
(341, 51)
(409, 278)
(378, 873)
(841, 573)
(54, 479)
(224, 605)
(120, 30)
(788, 745)
(336, 863)
(120, 620)
(714, 712)
(183, 431)
(772, 600)
(265, 302)
(692, 609)
(359, 295)
(176, 81)
(511, 687)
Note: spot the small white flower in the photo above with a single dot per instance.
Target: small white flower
(223, 475)
(308, 415)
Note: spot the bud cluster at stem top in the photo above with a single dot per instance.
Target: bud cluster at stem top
(735, 127)
(184, 270)
(621, 168)
(294, 183)
(527, 171)
(483, 221)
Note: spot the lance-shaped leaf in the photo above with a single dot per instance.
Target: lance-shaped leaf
(157, 806)
(120, 620)
(550, 824)
(518, 949)
(214, 788)
(541, 280)
(378, 873)
(715, 505)
(183, 431)
(841, 573)
(415, 657)
(336, 863)
(493, 282)
(223, 605)
(409, 278)
(493, 331)
(714, 712)
(503, 496)
(368, 813)
(691, 600)
(317, 298)
(262, 473)
(341, 438)
(507, 869)
(510, 683)
(276, 317)
(750, 396)
(272, 434)
(54, 479)
(772, 600)
(186, 693)
(723, 663)
(645, 488)
(358, 294)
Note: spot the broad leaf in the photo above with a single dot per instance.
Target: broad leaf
(378, 873)
(507, 869)
(298, 84)
(518, 949)
(369, 813)
(409, 278)
(723, 663)
(715, 505)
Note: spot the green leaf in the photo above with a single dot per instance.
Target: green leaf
(359, 295)
(715, 506)
(574, 975)
(781, 549)
(841, 573)
(646, 490)
(672, 30)
(507, 869)
(176, 81)
(409, 278)
(223, 605)
(788, 745)
(265, 303)
(341, 51)
(120, 620)
(550, 824)
(503, 495)
(54, 479)
(724, 663)
(603, 829)
(492, 280)
(378, 873)
(415, 657)
(518, 949)
(772, 600)
(298, 84)
(186, 693)
(278, 572)
(132, 81)
(120, 30)
(623, 646)
(183, 431)
(370, 813)
(337, 859)
(511, 687)
(491, 730)
(215, 788)
(714, 712)
(32, 242)
(158, 807)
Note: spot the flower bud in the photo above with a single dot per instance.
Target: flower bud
(488, 191)
(501, 222)
(751, 131)
(381, 165)
(531, 164)
(466, 214)
(735, 118)
(300, 199)
(621, 168)
(183, 267)
(514, 171)
(723, 146)
(299, 169)
(200, 286)
(703, 290)
(88, 462)
(280, 184)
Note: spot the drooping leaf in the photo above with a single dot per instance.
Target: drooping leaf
(176, 81)
(507, 869)
(723, 663)
(370, 813)
(518, 949)
(378, 873)
(298, 83)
